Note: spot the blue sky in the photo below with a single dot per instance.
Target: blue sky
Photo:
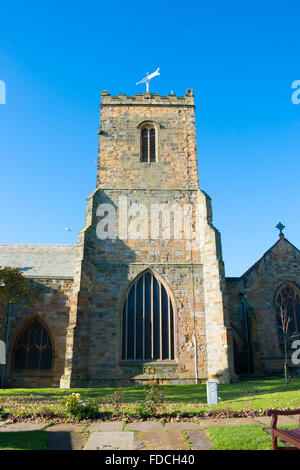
(239, 57)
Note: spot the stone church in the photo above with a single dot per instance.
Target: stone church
(143, 295)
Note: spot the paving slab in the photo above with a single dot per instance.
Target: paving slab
(18, 427)
(166, 440)
(66, 427)
(144, 426)
(181, 426)
(60, 440)
(2, 423)
(295, 418)
(226, 422)
(115, 440)
(106, 426)
(265, 420)
(282, 420)
(198, 440)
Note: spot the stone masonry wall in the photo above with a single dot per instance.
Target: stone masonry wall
(53, 311)
(119, 142)
(260, 284)
(104, 268)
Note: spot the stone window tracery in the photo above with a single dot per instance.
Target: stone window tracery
(33, 348)
(147, 321)
(288, 298)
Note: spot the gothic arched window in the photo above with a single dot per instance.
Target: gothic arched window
(33, 348)
(287, 304)
(147, 321)
(148, 143)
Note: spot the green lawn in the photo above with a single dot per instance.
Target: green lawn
(258, 394)
(253, 393)
(243, 437)
(29, 440)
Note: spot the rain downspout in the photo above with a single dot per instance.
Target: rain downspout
(243, 301)
(6, 342)
(196, 360)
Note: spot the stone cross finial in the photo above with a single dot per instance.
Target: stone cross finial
(280, 227)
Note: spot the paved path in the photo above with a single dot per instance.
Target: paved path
(147, 435)
(114, 440)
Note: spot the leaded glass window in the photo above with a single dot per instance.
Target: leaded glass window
(148, 144)
(288, 298)
(147, 321)
(34, 348)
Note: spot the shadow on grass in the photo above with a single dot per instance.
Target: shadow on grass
(24, 440)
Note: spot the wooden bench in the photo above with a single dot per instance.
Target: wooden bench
(292, 436)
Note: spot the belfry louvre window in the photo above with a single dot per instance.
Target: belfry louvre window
(147, 321)
(34, 348)
(148, 142)
(288, 298)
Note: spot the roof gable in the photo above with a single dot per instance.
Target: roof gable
(274, 248)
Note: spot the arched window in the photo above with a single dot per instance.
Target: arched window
(148, 143)
(33, 348)
(287, 304)
(147, 321)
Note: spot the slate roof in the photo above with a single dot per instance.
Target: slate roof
(51, 261)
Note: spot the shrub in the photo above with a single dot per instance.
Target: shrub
(141, 410)
(80, 409)
(116, 399)
(154, 398)
(45, 412)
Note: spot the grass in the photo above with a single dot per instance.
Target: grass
(243, 437)
(27, 440)
(258, 394)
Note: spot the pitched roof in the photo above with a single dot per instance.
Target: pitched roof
(51, 261)
(257, 263)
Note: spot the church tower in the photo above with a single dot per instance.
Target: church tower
(149, 278)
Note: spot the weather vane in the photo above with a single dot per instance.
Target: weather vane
(280, 227)
(148, 78)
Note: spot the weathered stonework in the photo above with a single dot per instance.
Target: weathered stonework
(194, 274)
(281, 263)
(53, 311)
(85, 285)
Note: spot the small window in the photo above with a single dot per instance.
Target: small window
(148, 144)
